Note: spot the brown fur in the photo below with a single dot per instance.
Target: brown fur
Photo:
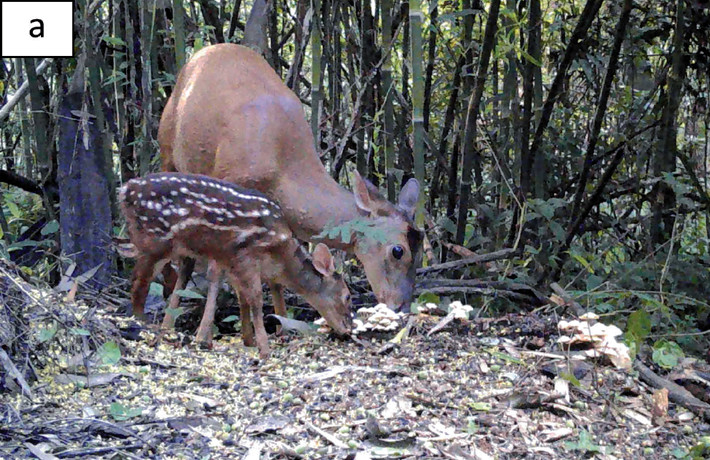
(231, 117)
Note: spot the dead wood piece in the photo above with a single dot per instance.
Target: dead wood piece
(570, 302)
(93, 451)
(497, 255)
(329, 437)
(445, 321)
(11, 369)
(37, 452)
(339, 370)
(676, 393)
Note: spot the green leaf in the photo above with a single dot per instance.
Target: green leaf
(230, 319)
(14, 210)
(114, 41)
(110, 353)
(188, 294)
(47, 334)
(481, 406)
(156, 289)
(585, 443)
(50, 228)
(667, 354)
(571, 379)
(119, 412)
(79, 331)
(506, 357)
(345, 235)
(174, 312)
(428, 297)
(639, 325)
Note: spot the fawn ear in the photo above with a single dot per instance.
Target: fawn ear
(323, 261)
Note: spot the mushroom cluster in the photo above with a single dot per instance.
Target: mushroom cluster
(377, 318)
(600, 337)
(459, 310)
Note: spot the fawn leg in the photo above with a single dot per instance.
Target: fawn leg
(277, 294)
(245, 315)
(143, 274)
(184, 272)
(204, 332)
(250, 298)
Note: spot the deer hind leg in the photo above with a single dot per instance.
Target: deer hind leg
(251, 304)
(204, 332)
(277, 294)
(143, 273)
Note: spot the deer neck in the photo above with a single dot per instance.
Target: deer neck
(317, 204)
(296, 270)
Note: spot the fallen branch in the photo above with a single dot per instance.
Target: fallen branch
(497, 255)
(676, 393)
(14, 179)
(569, 301)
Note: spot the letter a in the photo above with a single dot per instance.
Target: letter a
(37, 31)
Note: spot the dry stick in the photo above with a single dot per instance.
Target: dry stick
(496, 255)
(676, 393)
(22, 91)
(114, 426)
(332, 439)
(13, 371)
(560, 291)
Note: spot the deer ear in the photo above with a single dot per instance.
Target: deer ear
(408, 197)
(362, 194)
(368, 198)
(323, 261)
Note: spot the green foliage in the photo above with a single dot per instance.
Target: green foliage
(155, 289)
(50, 228)
(230, 319)
(365, 230)
(188, 294)
(701, 450)
(667, 354)
(175, 312)
(46, 334)
(79, 331)
(120, 412)
(638, 327)
(110, 353)
(568, 376)
(586, 444)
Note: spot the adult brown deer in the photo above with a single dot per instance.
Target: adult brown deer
(231, 117)
(241, 232)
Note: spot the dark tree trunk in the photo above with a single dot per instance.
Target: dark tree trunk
(85, 212)
(469, 147)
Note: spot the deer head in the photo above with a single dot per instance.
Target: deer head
(314, 277)
(390, 262)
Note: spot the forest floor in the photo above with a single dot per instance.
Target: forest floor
(489, 388)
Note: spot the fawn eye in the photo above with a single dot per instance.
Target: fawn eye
(397, 252)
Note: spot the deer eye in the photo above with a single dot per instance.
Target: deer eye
(397, 252)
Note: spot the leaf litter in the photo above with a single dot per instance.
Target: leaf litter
(487, 388)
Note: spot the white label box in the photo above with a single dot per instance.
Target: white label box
(37, 29)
